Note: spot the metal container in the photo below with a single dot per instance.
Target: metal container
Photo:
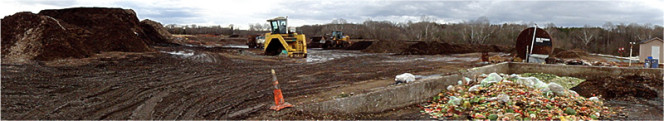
(543, 42)
(654, 63)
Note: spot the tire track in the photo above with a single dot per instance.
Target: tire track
(145, 110)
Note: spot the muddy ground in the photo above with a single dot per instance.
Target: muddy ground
(199, 82)
(213, 78)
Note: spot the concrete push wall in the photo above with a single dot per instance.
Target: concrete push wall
(397, 96)
(585, 72)
(421, 90)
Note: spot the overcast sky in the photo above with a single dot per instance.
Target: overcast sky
(243, 12)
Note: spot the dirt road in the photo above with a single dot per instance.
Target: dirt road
(182, 82)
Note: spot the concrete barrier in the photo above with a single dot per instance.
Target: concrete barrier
(386, 98)
(397, 96)
(585, 72)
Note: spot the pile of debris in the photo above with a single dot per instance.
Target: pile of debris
(554, 60)
(73, 33)
(624, 87)
(429, 47)
(434, 48)
(387, 46)
(574, 53)
(156, 32)
(360, 45)
(512, 97)
(27, 36)
(566, 82)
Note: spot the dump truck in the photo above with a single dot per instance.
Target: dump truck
(282, 41)
(337, 40)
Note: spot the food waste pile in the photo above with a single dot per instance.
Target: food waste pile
(512, 97)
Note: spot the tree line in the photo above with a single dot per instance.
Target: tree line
(596, 39)
(194, 29)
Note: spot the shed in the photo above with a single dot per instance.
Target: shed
(651, 47)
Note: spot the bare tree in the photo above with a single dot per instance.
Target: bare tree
(610, 28)
(259, 27)
(587, 34)
(338, 24)
(428, 24)
(478, 31)
(266, 27)
(255, 27)
(550, 27)
(252, 27)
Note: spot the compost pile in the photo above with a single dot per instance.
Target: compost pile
(624, 87)
(74, 33)
(434, 48)
(387, 46)
(512, 97)
(361, 45)
(574, 53)
(28, 36)
(156, 32)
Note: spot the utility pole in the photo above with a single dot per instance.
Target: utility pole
(631, 44)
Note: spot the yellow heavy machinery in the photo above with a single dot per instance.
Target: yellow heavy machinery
(282, 41)
(337, 40)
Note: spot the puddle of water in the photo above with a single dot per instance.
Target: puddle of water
(235, 46)
(434, 58)
(189, 54)
(205, 46)
(317, 55)
(204, 58)
(180, 53)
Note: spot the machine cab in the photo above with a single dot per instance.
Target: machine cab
(337, 34)
(278, 25)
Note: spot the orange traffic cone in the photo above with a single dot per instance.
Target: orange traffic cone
(279, 102)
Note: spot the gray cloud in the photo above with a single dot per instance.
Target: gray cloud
(561, 13)
(47, 2)
(164, 14)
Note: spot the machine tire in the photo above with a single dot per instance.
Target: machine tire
(327, 45)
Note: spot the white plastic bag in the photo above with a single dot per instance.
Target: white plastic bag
(474, 88)
(404, 78)
(557, 89)
(454, 100)
(593, 99)
(538, 84)
(492, 78)
(572, 92)
(526, 81)
(500, 98)
(450, 88)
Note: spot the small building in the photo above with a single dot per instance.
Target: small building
(651, 47)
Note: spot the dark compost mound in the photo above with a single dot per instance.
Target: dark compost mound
(433, 48)
(156, 32)
(28, 36)
(575, 53)
(360, 45)
(387, 46)
(621, 87)
(114, 29)
(75, 32)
